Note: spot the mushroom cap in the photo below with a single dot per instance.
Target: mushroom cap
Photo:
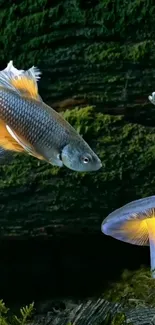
(130, 222)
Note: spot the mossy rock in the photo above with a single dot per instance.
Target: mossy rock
(79, 53)
(127, 152)
(118, 319)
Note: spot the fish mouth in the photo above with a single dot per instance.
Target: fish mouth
(98, 166)
(94, 168)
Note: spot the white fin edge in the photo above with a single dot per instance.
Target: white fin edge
(10, 72)
(20, 142)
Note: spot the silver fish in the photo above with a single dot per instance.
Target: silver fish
(30, 125)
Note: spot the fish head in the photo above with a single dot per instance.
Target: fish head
(78, 156)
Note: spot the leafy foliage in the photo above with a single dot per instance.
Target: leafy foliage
(134, 289)
(26, 314)
(23, 319)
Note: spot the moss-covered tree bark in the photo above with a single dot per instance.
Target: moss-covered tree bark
(97, 53)
(36, 198)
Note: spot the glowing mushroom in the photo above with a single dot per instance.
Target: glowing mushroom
(134, 223)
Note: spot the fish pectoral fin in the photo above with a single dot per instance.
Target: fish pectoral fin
(23, 143)
(7, 142)
(51, 156)
(55, 162)
(23, 82)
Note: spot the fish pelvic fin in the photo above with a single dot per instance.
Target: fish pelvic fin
(6, 140)
(23, 82)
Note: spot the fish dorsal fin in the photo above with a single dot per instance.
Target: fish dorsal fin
(27, 87)
(10, 68)
(23, 82)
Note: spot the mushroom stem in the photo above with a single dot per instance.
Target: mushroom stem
(151, 230)
(152, 257)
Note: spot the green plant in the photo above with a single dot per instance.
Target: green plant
(25, 315)
(134, 289)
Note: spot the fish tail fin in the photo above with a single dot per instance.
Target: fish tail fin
(23, 82)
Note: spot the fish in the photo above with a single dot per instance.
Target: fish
(28, 124)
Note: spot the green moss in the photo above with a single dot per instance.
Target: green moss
(139, 51)
(118, 319)
(127, 152)
(134, 289)
(80, 54)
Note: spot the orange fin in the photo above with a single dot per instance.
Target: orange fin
(6, 140)
(23, 143)
(26, 86)
(23, 82)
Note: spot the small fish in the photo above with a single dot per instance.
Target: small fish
(27, 124)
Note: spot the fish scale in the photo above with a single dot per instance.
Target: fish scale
(24, 116)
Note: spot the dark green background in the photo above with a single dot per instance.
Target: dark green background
(98, 60)
(103, 53)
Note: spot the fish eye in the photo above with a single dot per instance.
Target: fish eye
(86, 159)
